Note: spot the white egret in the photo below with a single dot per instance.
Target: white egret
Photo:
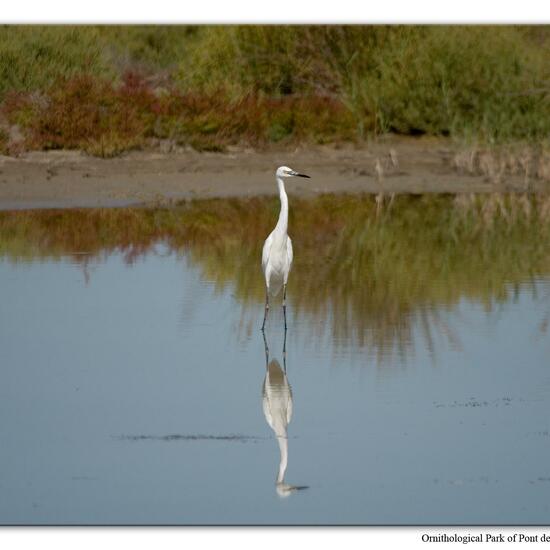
(277, 407)
(277, 252)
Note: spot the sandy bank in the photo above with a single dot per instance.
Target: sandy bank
(67, 179)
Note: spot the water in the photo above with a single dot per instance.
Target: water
(133, 390)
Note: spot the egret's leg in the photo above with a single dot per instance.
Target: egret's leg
(266, 307)
(284, 303)
(266, 350)
(284, 352)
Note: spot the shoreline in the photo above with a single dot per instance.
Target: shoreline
(72, 179)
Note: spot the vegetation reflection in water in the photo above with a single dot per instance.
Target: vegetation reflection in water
(372, 268)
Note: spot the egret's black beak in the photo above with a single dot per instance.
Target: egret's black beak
(300, 175)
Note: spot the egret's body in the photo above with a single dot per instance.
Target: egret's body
(277, 258)
(277, 254)
(277, 407)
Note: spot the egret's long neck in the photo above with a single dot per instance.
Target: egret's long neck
(282, 224)
(283, 447)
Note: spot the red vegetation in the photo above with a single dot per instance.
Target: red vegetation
(106, 119)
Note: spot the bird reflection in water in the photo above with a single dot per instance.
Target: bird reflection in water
(277, 406)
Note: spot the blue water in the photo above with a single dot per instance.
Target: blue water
(133, 394)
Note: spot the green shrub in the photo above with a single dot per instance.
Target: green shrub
(209, 86)
(487, 82)
(33, 57)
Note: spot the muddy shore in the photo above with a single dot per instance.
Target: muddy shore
(65, 179)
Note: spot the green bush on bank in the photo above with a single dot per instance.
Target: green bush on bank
(484, 82)
(480, 83)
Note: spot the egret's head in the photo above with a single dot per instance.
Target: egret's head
(286, 172)
(285, 490)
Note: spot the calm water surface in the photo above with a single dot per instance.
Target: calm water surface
(137, 387)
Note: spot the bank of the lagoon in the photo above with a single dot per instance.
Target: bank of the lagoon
(61, 179)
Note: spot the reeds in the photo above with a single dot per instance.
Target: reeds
(530, 162)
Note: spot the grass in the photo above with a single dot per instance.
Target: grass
(211, 86)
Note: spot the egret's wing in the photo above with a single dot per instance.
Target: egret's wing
(266, 250)
(266, 407)
(289, 252)
(289, 410)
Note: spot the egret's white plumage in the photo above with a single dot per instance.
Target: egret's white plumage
(277, 254)
(277, 407)
(277, 258)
